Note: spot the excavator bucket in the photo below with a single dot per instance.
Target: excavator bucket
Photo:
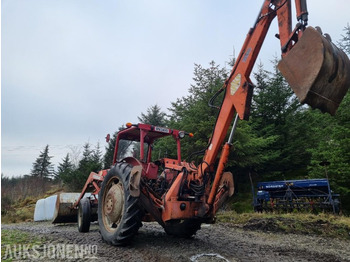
(64, 211)
(317, 71)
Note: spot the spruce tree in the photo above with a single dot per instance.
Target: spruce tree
(344, 42)
(277, 115)
(64, 170)
(332, 136)
(154, 116)
(42, 167)
(90, 162)
(108, 156)
(96, 158)
(191, 113)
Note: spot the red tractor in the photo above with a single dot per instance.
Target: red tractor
(138, 189)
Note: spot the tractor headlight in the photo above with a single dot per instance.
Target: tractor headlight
(181, 134)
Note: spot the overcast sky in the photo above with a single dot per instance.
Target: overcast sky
(75, 70)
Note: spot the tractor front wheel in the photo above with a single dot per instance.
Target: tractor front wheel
(119, 215)
(84, 214)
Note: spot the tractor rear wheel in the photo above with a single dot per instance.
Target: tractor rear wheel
(84, 214)
(119, 215)
(182, 228)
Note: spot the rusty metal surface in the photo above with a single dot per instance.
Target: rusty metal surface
(64, 211)
(113, 205)
(134, 182)
(227, 181)
(317, 71)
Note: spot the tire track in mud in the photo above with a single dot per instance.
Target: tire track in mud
(220, 242)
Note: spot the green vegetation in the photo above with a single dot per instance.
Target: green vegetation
(154, 116)
(300, 223)
(21, 209)
(74, 177)
(12, 239)
(17, 237)
(19, 214)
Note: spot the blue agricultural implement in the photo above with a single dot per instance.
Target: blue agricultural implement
(291, 195)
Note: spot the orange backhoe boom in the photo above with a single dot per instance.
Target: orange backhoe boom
(238, 87)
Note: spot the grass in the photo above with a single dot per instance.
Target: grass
(241, 203)
(22, 210)
(301, 223)
(15, 240)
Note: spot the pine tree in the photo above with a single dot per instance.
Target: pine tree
(154, 116)
(87, 155)
(108, 156)
(96, 158)
(344, 42)
(191, 113)
(42, 167)
(90, 162)
(86, 165)
(64, 170)
(332, 136)
(278, 115)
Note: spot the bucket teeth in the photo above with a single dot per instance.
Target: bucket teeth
(328, 37)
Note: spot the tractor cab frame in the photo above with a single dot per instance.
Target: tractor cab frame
(146, 134)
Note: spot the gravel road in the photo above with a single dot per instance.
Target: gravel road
(218, 242)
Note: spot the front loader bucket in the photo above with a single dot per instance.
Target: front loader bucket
(317, 71)
(64, 211)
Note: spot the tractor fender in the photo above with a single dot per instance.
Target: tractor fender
(132, 161)
(134, 181)
(135, 175)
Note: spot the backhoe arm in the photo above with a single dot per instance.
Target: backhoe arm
(238, 87)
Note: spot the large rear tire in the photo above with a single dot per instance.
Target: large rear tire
(84, 215)
(119, 215)
(182, 228)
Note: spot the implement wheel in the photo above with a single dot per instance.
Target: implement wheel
(84, 215)
(119, 215)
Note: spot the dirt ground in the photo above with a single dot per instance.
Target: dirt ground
(218, 242)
